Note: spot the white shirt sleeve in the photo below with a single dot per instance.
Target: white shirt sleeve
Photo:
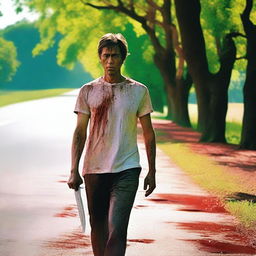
(81, 102)
(145, 106)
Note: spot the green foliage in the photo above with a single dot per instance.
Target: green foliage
(42, 71)
(233, 132)
(219, 18)
(81, 27)
(145, 72)
(237, 8)
(8, 60)
(47, 31)
(216, 22)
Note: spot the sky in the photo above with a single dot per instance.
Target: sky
(9, 15)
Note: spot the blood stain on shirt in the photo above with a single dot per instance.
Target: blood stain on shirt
(100, 118)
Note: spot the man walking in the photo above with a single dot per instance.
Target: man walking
(113, 104)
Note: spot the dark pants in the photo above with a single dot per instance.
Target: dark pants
(110, 199)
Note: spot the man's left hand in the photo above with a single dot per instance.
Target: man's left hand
(149, 183)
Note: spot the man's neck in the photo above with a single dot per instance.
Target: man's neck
(113, 79)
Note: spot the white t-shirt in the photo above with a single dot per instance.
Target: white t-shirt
(111, 146)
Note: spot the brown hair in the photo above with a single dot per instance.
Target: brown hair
(110, 40)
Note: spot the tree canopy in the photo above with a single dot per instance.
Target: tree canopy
(214, 46)
(80, 28)
(42, 71)
(8, 60)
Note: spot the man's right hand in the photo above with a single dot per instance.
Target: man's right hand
(74, 180)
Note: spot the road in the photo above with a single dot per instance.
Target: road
(38, 215)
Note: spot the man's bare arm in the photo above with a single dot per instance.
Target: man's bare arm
(150, 143)
(78, 142)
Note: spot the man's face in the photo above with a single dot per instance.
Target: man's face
(111, 60)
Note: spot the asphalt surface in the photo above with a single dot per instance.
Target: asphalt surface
(38, 214)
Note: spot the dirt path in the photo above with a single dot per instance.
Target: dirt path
(179, 219)
(240, 163)
(38, 214)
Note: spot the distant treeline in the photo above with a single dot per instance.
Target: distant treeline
(40, 72)
(43, 72)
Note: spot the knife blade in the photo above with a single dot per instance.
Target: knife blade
(80, 207)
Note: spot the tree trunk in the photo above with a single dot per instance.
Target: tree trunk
(182, 89)
(211, 90)
(219, 91)
(248, 136)
(218, 109)
(177, 90)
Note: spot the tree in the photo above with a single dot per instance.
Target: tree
(211, 66)
(248, 136)
(74, 20)
(41, 72)
(211, 89)
(156, 19)
(79, 36)
(8, 60)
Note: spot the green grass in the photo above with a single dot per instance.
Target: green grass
(10, 97)
(233, 132)
(243, 210)
(203, 170)
(213, 178)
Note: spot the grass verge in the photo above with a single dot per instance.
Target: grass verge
(233, 131)
(213, 178)
(245, 211)
(206, 173)
(11, 97)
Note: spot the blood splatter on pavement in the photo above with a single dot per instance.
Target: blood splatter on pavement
(72, 240)
(68, 211)
(191, 202)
